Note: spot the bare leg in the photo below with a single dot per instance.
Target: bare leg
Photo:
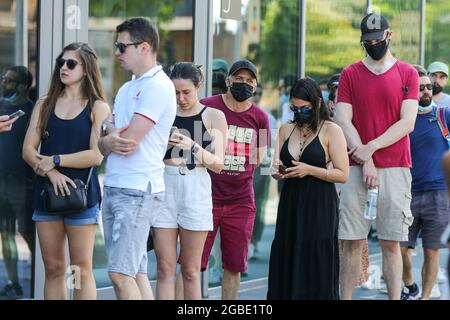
(125, 287)
(81, 248)
(179, 288)
(230, 284)
(144, 286)
(392, 268)
(408, 279)
(429, 271)
(52, 240)
(165, 242)
(350, 267)
(191, 254)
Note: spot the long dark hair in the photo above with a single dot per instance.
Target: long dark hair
(307, 89)
(91, 88)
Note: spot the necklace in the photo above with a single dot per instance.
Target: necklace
(303, 138)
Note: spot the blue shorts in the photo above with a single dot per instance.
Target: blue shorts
(88, 217)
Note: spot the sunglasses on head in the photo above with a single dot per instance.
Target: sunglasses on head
(71, 63)
(428, 86)
(122, 47)
(303, 109)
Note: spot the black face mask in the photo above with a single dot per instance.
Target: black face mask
(302, 118)
(437, 89)
(377, 51)
(241, 91)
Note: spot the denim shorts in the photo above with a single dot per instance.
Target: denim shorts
(88, 217)
(127, 218)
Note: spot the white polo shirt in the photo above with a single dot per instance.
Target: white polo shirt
(153, 97)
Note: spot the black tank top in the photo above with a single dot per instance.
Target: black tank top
(194, 128)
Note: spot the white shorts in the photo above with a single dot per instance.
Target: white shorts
(188, 201)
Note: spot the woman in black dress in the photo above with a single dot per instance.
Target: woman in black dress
(304, 261)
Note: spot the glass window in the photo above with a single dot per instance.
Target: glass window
(18, 53)
(175, 20)
(404, 21)
(437, 44)
(332, 36)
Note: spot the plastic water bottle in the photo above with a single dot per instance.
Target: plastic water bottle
(370, 210)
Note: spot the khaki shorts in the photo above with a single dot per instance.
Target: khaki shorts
(394, 205)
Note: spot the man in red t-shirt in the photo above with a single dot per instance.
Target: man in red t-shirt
(232, 190)
(377, 108)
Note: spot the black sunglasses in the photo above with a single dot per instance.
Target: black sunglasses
(71, 63)
(428, 86)
(122, 47)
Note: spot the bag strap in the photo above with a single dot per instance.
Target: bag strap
(89, 178)
(440, 113)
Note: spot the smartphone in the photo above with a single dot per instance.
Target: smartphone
(17, 114)
(282, 169)
(172, 130)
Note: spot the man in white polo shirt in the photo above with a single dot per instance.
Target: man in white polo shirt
(144, 110)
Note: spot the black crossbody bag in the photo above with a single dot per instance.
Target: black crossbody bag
(75, 203)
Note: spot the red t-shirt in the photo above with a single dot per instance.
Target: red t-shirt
(377, 102)
(247, 131)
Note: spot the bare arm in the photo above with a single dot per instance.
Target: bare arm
(396, 132)
(214, 160)
(33, 138)
(344, 117)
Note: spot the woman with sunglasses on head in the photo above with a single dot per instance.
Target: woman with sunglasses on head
(197, 144)
(304, 261)
(66, 125)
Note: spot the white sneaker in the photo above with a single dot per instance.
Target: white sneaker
(441, 277)
(435, 292)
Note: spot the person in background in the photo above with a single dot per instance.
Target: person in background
(438, 73)
(261, 181)
(15, 177)
(430, 203)
(220, 71)
(233, 195)
(333, 85)
(284, 88)
(198, 143)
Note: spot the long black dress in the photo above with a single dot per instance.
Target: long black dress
(304, 261)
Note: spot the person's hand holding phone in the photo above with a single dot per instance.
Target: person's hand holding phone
(6, 123)
(278, 170)
(180, 141)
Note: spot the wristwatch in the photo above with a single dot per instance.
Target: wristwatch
(195, 148)
(57, 160)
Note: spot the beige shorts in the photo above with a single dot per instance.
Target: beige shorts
(394, 205)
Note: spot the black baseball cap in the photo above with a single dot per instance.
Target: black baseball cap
(373, 27)
(243, 64)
